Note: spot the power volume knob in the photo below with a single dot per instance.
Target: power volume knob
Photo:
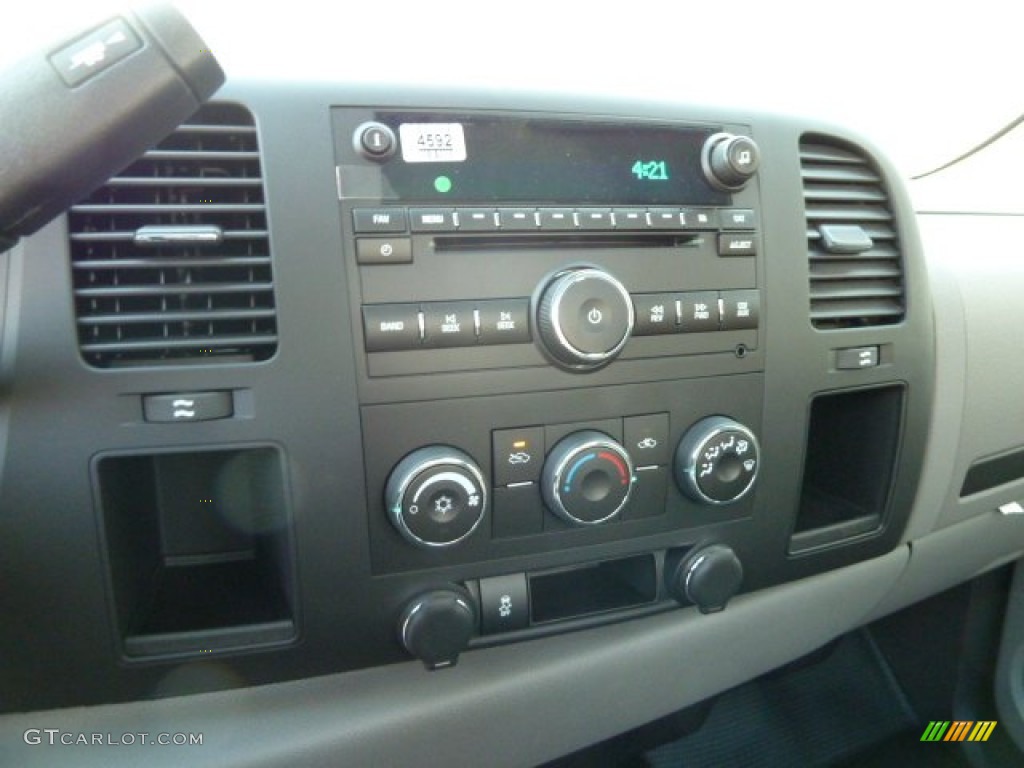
(717, 461)
(436, 496)
(587, 478)
(730, 161)
(585, 318)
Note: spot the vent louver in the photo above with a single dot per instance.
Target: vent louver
(171, 258)
(856, 271)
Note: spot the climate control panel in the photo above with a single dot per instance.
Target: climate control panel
(477, 479)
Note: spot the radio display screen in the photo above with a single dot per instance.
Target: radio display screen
(504, 159)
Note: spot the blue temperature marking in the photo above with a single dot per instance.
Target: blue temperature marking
(577, 465)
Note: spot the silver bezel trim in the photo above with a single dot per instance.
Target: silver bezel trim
(558, 288)
(560, 467)
(455, 458)
(691, 460)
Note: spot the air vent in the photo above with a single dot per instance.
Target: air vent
(855, 266)
(171, 258)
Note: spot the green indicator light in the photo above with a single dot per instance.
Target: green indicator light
(443, 184)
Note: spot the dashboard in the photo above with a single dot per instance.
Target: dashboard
(353, 411)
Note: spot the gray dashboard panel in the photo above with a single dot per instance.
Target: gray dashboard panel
(517, 705)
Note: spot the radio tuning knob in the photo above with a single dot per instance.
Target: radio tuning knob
(585, 317)
(730, 161)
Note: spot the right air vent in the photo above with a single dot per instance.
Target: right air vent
(856, 270)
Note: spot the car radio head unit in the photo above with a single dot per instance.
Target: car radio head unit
(511, 159)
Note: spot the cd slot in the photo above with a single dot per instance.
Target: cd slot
(450, 243)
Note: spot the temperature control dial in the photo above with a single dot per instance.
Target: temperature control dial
(587, 478)
(436, 496)
(717, 461)
(585, 318)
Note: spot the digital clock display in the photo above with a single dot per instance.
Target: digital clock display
(490, 157)
(652, 170)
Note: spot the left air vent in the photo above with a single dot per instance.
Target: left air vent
(171, 258)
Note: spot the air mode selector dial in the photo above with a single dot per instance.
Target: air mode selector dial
(436, 496)
(717, 461)
(587, 478)
(585, 317)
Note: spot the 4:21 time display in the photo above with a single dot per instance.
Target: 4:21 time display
(651, 170)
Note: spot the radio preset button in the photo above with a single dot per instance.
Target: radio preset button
(504, 321)
(630, 218)
(557, 218)
(655, 314)
(432, 219)
(665, 218)
(449, 324)
(517, 218)
(391, 327)
(477, 219)
(594, 218)
(380, 220)
(383, 250)
(698, 312)
(740, 310)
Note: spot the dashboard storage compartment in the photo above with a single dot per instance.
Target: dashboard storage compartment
(199, 550)
(852, 446)
(599, 588)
